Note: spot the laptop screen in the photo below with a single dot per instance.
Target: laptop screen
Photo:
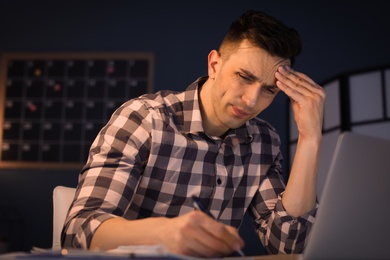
(354, 209)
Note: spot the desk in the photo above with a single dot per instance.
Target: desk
(155, 252)
(25, 255)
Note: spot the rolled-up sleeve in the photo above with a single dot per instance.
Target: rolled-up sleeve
(279, 232)
(287, 234)
(110, 177)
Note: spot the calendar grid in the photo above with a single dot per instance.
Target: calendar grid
(54, 104)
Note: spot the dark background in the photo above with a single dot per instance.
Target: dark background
(339, 37)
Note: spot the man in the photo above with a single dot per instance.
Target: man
(159, 150)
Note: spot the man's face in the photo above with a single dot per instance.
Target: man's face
(243, 85)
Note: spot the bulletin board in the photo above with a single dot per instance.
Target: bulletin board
(52, 105)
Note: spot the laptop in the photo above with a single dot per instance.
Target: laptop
(353, 219)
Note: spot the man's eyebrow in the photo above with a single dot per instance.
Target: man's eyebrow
(250, 75)
(254, 78)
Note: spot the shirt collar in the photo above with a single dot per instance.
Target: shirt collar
(192, 118)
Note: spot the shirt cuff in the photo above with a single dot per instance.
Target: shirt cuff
(282, 215)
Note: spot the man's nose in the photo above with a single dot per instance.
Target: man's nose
(251, 96)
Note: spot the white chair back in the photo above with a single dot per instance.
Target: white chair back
(62, 198)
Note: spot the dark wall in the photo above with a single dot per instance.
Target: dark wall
(339, 36)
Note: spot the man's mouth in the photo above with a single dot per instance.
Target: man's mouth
(240, 113)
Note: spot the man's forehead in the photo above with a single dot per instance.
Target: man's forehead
(246, 47)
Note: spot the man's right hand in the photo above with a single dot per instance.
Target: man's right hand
(197, 234)
(194, 234)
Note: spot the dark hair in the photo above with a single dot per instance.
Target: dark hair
(264, 31)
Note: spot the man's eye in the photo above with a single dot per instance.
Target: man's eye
(269, 90)
(243, 77)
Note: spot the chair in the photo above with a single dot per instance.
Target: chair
(62, 198)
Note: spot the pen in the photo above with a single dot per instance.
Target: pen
(199, 206)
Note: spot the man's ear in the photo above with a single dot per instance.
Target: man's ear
(214, 60)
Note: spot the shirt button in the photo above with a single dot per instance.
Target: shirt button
(219, 181)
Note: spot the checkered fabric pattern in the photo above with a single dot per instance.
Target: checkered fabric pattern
(153, 155)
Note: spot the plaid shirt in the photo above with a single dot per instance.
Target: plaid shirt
(153, 155)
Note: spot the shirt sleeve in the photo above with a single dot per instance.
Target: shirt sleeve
(279, 232)
(111, 175)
